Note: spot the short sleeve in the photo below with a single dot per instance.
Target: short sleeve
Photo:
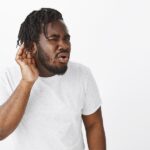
(91, 99)
(5, 89)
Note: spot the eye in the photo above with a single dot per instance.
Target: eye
(53, 39)
(67, 38)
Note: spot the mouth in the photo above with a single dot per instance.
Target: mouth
(63, 57)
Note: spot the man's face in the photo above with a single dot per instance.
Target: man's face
(53, 53)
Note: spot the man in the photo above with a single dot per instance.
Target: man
(45, 103)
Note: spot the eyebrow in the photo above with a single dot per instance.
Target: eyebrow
(53, 35)
(57, 35)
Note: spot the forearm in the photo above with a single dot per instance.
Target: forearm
(13, 109)
(96, 138)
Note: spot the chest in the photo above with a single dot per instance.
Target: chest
(55, 103)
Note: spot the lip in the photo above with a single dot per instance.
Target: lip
(63, 60)
(63, 57)
(63, 54)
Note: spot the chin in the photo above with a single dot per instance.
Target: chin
(57, 69)
(61, 70)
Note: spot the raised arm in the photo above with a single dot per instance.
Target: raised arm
(13, 109)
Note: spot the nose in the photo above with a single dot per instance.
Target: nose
(64, 45)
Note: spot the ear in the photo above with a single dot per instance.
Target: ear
(34, 48)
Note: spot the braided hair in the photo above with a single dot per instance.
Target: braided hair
(36, 23)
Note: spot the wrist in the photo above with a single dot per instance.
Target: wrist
(26, 83)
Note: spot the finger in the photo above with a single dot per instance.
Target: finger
(21, 49)
(33, 61)
(29, 61)
(29, 55)
(24, 55)
(19, 52)
(19, 60)
(25, 60)
(18, 57)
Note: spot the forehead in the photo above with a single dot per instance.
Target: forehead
(57, 27)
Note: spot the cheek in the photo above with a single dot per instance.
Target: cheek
(52, 50)
(50, 53)
(52, 57)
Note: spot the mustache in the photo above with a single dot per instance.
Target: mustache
(63, 51)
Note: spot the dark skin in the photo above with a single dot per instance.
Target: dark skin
(95, 131)
(59, 39)
(39, 62)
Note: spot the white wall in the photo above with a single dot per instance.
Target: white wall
(112, 37)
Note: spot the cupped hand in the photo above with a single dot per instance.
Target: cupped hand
(25, 59)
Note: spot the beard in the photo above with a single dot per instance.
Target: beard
(52, 68)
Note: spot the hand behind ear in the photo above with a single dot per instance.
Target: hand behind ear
(26, 61)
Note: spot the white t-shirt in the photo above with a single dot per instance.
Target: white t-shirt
(53, 116)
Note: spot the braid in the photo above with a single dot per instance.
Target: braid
(36, 23)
